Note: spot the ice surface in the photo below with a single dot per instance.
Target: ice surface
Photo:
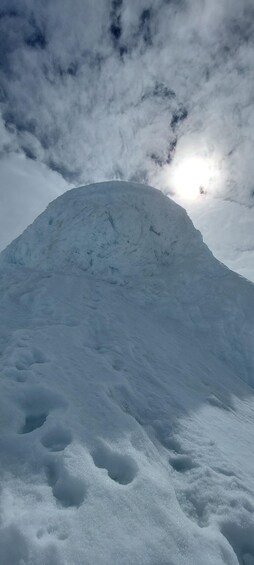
(127, 411)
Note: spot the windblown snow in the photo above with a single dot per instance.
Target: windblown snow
(127, 410)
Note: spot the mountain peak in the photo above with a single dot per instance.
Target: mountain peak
(114, 229)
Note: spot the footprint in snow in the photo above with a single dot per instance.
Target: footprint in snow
(37, 403)
(20, 376)
(28, 358)
(32, 422)
(22, 361)
(57, 438)
(182, 463)
(121, 468)
(67, 490)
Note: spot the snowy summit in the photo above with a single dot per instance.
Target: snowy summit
(127, 374)
(114, 229)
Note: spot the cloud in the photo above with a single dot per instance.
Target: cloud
(26, 189)
(122, 89)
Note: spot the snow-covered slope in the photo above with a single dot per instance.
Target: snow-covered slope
(127, 404)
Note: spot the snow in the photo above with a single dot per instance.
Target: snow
(126, 389)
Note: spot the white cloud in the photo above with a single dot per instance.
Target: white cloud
(25, 191)
(118, 89)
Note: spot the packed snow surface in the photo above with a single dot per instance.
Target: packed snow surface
(127, 410)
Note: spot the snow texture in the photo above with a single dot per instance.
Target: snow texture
(127, 411)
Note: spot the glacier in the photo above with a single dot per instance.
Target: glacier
(127, 410)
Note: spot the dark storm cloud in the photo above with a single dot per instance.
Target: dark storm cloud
(119, 88)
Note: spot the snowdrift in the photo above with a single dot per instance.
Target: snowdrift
(126, 388)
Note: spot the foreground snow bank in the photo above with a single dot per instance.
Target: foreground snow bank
(127, 408)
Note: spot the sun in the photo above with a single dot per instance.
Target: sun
(191, 176)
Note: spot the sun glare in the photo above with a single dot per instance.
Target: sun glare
(191, 176)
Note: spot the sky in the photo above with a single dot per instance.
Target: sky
(132, 90)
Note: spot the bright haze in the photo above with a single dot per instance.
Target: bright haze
(157, 92)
